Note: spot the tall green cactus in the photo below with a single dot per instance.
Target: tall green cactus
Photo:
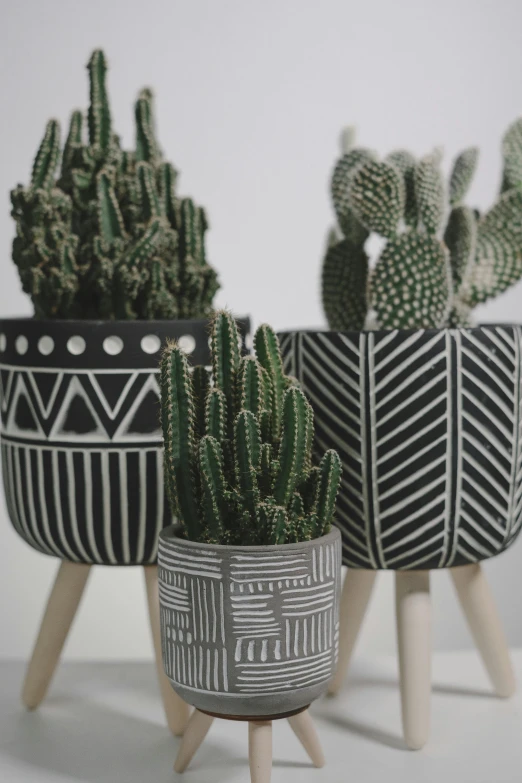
(439, 259)
(238, 446)
(109, 238)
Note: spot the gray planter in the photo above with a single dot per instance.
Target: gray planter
(249, 631)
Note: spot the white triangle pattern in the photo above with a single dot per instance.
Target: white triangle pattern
(12, 427)
(57, 433)
(122, 434)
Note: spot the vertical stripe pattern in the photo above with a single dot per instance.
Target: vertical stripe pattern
(59, 501)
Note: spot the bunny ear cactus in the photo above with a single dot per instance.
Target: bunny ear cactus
(238, 447)
(512, 155)
(345, 269)
(439, 258)
(109, 238)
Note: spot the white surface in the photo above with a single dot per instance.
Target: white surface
(103, 723)
(251, 97)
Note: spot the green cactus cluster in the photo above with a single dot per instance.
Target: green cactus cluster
(106, 236)
(238, 446)
(439, 257)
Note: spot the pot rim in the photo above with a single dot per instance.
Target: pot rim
(168, 534)
(326, 332)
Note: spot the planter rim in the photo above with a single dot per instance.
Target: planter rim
(326, 332)
(168, 534)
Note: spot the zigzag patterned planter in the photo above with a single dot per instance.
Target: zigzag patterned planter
(81, 439)
(249, 631)
(428, 425)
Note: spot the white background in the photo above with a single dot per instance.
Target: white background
(251, 95)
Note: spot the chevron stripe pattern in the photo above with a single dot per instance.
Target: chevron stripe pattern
(243, 622)
(428, 425)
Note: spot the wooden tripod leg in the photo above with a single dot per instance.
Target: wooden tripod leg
(304, 729)
(176, 710)
(58, 617)
(195, 733)
(260, 750)
(484, 623)
(357, 589)
(413, 608)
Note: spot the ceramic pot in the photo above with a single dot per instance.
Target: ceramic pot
(249, 631)
(81, 439)
(428, 426)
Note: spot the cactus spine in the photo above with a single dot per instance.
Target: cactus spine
(238, 449)
(109, 238)
(439, 259)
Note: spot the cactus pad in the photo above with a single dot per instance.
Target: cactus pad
(498, 262)
(405, 163)
(410, 286)
(429, 193)
(344, 286)
(377, 197)
(462, 173)
(460, 238)
(512, 154)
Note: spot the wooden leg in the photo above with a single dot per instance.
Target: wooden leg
(260, 750)
(357, 589)
(195, 733)
(478, 605)
(413, 607)
(59, 613)
(304, 730)
(176, 710)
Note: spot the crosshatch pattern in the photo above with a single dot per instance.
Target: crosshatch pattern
(258, 622)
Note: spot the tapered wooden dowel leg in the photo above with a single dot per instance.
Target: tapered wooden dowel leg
(479, 607)
(304, 730)
(59, 613)
(260, 750)
(195, 733)
(413, 608)
(357, 589)
(176, 710)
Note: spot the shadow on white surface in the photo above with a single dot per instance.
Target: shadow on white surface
(103, 723)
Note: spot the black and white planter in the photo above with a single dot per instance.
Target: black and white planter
(81, 438)
(249, 631)
(428, 426)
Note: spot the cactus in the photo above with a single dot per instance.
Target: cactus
(238, 461)
(439, 258)
(109, 238)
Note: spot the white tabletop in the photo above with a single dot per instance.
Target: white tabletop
(102, 722)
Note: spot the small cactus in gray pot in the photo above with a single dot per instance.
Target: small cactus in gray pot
(439, 257)
(238, 441)
(106, 236)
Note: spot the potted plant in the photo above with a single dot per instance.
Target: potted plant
(249, 578)
(423, 408)
(114, 262)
